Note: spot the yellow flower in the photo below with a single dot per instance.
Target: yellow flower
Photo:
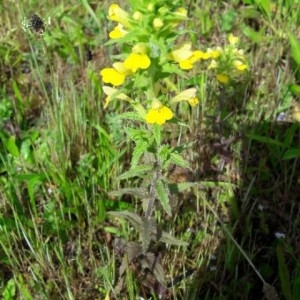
(194, 101)
(112, 93)
(187, 95)
(118, 32)
(233, 40)
(137, 61)
(158, 114)
(115, 75)
(240, 66)
(120, 67)
(213, 53)
(213, 65)
(181, 12)
(186, 57)
(182, 53)
(116, 13)
(223, 78)
(111, 75)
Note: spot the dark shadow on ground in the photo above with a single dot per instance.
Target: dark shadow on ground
(264, 211)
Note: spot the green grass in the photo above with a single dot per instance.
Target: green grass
(61, 154)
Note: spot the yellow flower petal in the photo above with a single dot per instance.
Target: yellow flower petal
(194, 101)
(185, 95)
(213, 64)
(240, 65)
(213, 53)
(166, 112)
(159, 116)
(137, 61)
(182, 53)
(112, 93)
(197, 55)
(223, 78)
(185, 64)
(181, 11)
(118, 32)
(151, 116)
(116, 13)
(233, 40)
(119, 66)
(110, 75)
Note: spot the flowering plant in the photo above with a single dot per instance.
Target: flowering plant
(150, 56)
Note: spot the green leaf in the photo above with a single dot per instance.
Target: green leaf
(9, 290)
(136, 172)
(295, 48)
(139, 134)
(255, 36)
(185, 186)
(290, 135)
(227, 20)
(26, 148)
(265, 6)
(163, 197)
(157, 133)
(133, 218)
(295, 89)
(156, 236)
(283, 273)
(129, 116)
(11, 147)
(140, 148)
(178, 160)
(291, 153)
(170, 239)
(265, 140)
(296, 288)
(145, 233)
(138, 192)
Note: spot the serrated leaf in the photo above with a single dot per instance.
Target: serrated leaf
(139, 134)
(145, 233)
(163, 197)
(130, 116)
(138, 192)
(156, 234)
(136, 172)
(178, 160)
(153, 263)
(157, 129)
(140, 148)
(170, 239)
(133, 218)
(133, 250)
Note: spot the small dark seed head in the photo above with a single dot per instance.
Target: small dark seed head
(36, 24)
